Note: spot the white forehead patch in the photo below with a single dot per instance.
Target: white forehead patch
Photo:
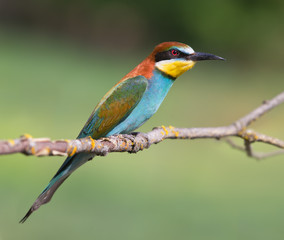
(187, 50)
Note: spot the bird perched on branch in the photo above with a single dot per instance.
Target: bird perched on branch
(129, 104)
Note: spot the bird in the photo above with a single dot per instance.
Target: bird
(128, 104)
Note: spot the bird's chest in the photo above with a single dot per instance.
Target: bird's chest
(157, 89)
(154, 95)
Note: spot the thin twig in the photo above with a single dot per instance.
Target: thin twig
(256, 155)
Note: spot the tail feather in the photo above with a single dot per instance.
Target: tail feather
(44, 197)
(26, 216)
(69, 165)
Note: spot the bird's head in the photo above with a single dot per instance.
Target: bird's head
(174, 58)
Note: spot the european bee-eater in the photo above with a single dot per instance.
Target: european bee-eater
(129, 104)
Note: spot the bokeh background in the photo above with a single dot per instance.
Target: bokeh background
(58, 58)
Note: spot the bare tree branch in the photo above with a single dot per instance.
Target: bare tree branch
(135, 142)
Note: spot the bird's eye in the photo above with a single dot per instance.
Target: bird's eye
(175, 52)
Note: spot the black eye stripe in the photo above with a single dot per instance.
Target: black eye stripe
(167, 55)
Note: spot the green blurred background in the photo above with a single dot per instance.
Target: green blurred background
(58, 58)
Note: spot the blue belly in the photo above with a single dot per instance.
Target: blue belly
(157, 89)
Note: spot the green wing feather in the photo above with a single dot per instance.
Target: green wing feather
(115, 107)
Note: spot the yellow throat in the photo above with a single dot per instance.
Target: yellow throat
(174, 67)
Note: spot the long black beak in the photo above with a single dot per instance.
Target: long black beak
(199, 56)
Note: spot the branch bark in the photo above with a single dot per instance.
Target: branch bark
(135, 142)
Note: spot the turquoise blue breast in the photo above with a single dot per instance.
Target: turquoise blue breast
(157, 89)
